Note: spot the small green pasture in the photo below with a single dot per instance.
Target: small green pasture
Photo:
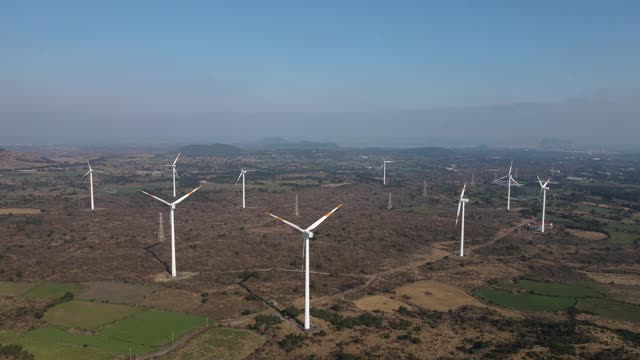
(536, 296)
(87, 315)
(611, 309)
(524, 302)
(14, 288)
(557, 289)
(141, 330)
(52, 291)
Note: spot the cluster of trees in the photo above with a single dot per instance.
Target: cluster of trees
(348, 322)
(13, 351)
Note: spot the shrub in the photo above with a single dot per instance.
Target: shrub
(291, 341)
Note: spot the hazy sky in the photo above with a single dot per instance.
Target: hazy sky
(124, 71)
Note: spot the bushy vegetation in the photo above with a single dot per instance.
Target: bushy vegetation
(291, 312)
(264, 323)
(14, 351)
(342, 322)
(291, 341)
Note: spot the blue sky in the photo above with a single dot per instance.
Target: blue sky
(193, 58)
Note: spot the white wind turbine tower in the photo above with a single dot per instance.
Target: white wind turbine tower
(461, 204)
(242, 174)
(307, 234)
(172, 207)
(90, 173)
(511, 180)
(174, 173)
(384, 170)
(544, 188)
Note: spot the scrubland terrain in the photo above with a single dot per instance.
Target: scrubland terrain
(386, 283)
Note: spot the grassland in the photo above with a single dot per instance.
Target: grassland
(51, 290)
(547, 297)
(11, 288)
(556, 289)
(142, 332)
(611, 309)
(524, 302)
(226, 344)
(87, 315)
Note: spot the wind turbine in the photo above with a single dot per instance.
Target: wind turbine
(175, 173)
(544, 188)
(172, 207)
(242, 174)
(510, 179)
(461, 203)
(90, 173)
(384, 170)
(307, 234)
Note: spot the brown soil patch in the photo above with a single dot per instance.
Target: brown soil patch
(620, 279)
(434, 295)
(117, 292)
(19, 211)
(173, 300)
(589, 235)
(379, 302)
(164, 277)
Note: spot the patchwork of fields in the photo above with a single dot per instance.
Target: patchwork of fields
(535, 296)
(82, 329)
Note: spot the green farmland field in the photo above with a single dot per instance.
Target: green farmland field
(87, 315)
(556, 289)
(52, 291)
(611, 309)
(524, 302)
(142, 332)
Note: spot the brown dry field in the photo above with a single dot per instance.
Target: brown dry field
(379, 302)
(589, 235)
(434, 295)
(19, 211)
(612, 278)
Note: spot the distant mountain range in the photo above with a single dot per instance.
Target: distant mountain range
(211, 150)
(278, 143)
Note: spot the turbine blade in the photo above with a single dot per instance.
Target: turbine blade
(85, 175)
(89, 164)
(506, 176)
(176, 160)
(317, 223)
(155, 197)
(458, 213)
(100, 171)
(239, 176)
(545, 184)
(463, 189)
(186, 196)
(514, 180)
(287, 222)
(540, 181)
(510, 167)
